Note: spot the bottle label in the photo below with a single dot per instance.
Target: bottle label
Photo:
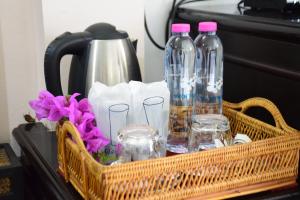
(180, 84)
(180, 120)
(187, 84)
(214, 85)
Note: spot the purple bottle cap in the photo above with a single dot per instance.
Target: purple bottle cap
(180, 28)
(207, 26)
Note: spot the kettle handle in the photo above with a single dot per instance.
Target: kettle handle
(67, 43)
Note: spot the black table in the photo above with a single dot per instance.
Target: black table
(38, 156)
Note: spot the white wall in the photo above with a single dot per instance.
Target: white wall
(157, 13)
(22, 45)
(77, 15)
(4, 130)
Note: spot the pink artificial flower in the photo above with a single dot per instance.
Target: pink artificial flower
(44, 94)
(40, 111)
(54, 114)
(74, 114)
(94, 132)
(48, 106)
(79, 113)
(81, 116)
(61, 103)
(58, 110)
(118, 149)
(42, 105)
(73, 100)
(86, 126)
(84, 105)
(95, 144)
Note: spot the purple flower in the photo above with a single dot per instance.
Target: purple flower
(42, 105)
(48, 106)
(74, 114)
(44, 94)
(76, 109)
(62, 104)
(118, 149)
(79, 113)
(40, 110)
(58, 110)
(86, 126)
(73, 100)
(84, 105)
(94, 145)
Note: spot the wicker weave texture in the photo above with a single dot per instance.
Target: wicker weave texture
(5, 186)
(4, 161)
(274, 155)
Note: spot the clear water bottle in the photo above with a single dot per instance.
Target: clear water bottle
(180, 77)
(209, 70)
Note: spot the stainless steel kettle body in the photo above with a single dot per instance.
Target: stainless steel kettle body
(111, 62)
(101, 53)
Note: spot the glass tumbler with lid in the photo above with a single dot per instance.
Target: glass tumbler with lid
(139, 142)
(209, 131)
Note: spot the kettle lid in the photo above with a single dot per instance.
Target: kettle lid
(105, 31)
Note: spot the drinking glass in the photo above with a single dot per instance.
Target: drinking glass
(153, 107)
(209, 131)
(139, 142)
(118, 115)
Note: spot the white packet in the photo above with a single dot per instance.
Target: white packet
(111, 106)
(151, 105)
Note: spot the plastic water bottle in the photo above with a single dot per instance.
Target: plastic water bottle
(209, 126)
(180, 77)
(209, 70)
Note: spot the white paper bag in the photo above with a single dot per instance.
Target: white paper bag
(112, 107)
(133, 103)
(151, 105)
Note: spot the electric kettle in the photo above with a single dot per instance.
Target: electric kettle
(100, 53)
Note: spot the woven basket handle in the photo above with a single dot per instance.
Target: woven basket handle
(264, 103)
(68, 127)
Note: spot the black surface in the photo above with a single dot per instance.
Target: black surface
(272, 4)
(14, 172)
(39, 150)
(261, 54)
(38, 156)
(105, 31)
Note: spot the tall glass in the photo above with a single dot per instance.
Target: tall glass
(118, 116)
(153, 107)
(208, 131)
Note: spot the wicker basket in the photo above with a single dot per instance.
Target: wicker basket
(271, 161)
